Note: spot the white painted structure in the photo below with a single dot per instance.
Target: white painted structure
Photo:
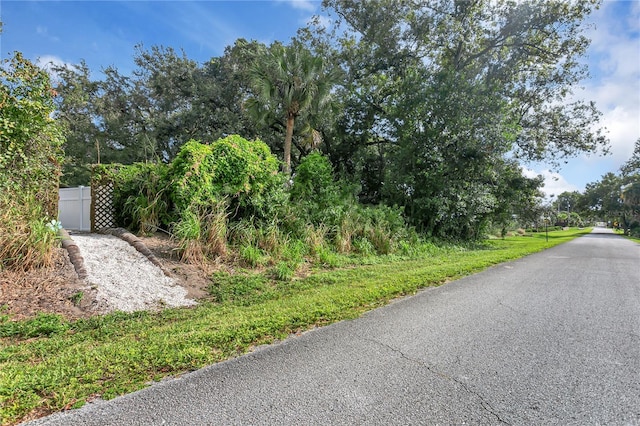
(74, 208)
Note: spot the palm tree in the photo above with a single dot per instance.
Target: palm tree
(289, 81)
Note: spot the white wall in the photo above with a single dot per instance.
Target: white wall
(74, 208)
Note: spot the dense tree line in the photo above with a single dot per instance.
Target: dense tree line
(427, 105)
(614, 199)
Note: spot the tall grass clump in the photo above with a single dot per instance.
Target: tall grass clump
(27, 237)
(202, 233)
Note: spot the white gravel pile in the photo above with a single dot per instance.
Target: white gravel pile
(125, 279)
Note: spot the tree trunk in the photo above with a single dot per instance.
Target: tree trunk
(287, 144)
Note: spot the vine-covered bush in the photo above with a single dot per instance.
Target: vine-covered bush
(195, 195)
(245, 172)
(229, 193)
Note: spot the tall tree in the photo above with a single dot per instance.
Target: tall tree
(288, 81)
(440, 95)
(76, 110)
(632, 165)
(631, 190)
(604, 197)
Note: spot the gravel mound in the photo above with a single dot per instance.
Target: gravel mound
(125, 279)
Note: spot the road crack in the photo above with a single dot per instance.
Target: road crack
(486, 405)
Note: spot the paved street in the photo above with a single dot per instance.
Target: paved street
(553, 338)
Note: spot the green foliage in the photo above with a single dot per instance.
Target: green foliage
(243, 171)
(294, 252)
(252, 256)
(323, 202)
(632, 165)
(328, 258)
(314, 190)
(26, 241)
(42, 325)
(191, 174)
(433, 101)
(440, 95)
(283, 271)
(77, 108)
(77, 297)
(202, 232)
(196, 193)
(288, 81)
(140, 196)
(243, 289)
(30, 161)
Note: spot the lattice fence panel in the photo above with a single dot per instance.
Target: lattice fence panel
(102, 210)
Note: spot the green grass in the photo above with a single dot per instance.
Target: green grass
(48, 364)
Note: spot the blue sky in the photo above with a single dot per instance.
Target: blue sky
(104, 33)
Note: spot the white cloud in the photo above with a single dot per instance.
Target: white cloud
(614, 62)
(322, 21)
(44, 32)
(554, 183)
(47, 62)
(306, 5)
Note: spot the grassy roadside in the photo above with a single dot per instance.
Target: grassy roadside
(47, 364)
(628, 237)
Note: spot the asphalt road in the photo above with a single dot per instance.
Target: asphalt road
(553, 338)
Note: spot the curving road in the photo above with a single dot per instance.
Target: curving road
(553, 338)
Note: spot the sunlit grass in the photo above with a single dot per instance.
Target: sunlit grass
(50, 364)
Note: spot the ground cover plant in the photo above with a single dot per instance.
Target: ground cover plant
(49, 364)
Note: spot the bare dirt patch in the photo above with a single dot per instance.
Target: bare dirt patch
(56, 289)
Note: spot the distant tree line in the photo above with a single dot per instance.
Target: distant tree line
(614, 199)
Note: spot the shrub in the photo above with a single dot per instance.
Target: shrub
(314, 190)
(245, 172)
(30, 140)
(190, 175)
(30, 157)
